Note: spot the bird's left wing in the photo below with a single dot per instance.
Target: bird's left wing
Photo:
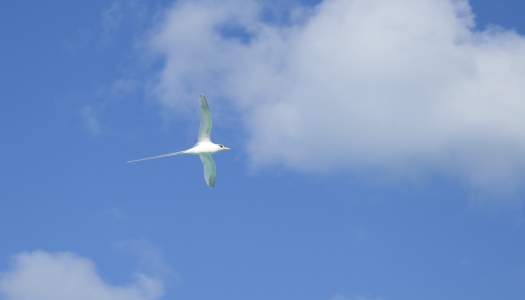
(210, 171)
(205, 117)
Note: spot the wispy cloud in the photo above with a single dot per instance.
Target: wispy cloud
(150, 260)
(384, 85)
(112, 17)
(65, 276)
(123, 87)
(122, 14)
(90, 120)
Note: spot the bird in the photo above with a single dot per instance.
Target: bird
(204, 147)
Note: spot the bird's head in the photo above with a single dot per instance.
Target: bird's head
(223, 147)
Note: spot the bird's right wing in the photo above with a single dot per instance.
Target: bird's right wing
(205, 117)
(158, 156)
(210, 171)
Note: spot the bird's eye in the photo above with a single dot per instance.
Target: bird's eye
(221, 146)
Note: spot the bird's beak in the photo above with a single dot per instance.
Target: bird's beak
(225, 148)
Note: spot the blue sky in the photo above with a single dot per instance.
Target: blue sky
(376, 150)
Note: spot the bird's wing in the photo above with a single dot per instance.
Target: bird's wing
(210, 171)
(158, 156)
(205, 116)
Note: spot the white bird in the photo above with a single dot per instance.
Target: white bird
(204, 147)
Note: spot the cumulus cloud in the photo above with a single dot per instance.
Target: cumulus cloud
(65, 276)
(383, 85)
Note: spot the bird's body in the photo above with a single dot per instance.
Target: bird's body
(204, 147)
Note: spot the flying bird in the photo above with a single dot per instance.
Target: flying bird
(204, 147)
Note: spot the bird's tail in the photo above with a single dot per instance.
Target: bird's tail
(158, 156)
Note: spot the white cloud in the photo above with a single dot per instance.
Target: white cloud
(383, 85)
(65, 276)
